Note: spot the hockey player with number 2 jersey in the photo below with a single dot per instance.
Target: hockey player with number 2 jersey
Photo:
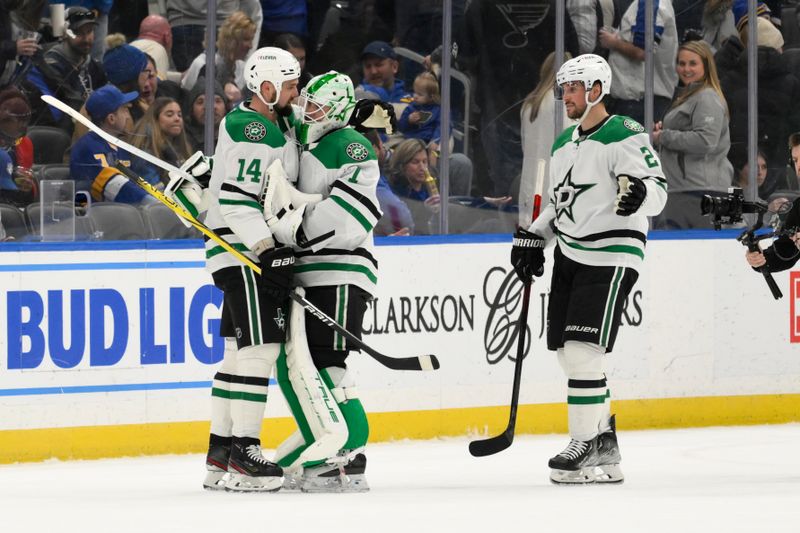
(605, 181)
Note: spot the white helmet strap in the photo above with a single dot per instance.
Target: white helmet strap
(270, 105)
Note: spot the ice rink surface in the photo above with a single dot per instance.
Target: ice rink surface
(694, 480)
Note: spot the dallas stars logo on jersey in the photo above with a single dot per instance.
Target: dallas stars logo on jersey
(357, 151)
(255, 131)
(567, 193)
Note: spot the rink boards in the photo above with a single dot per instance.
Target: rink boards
(108, 349)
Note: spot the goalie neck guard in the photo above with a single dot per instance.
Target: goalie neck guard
(327, 102)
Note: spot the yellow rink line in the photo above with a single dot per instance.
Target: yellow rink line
(93, 442)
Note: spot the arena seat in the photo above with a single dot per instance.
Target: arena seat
(116, 221)
(49, 144)
(13, 220)
(162, 223)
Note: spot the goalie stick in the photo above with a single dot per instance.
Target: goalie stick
(498, 443)
(421, 362)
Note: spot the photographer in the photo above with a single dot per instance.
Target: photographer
(784, 252)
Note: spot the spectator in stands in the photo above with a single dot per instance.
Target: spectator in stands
(11, 47)
(766, 184)
(233, 45)
(67, 71)
(126, 68)
(93, 160)
(626, 59)
(148, 83)
(584, 15)
(379, 65)
(409, 175)
(195, 110)
(161, 133)
(717, 23)
(396, 219)
(538, 117)
(155, 40)
(280, 17)
(421, 118)
(188, 21)
(16, 151)
(778, 94)
(292, 44)
(100, 8)
(694, 138)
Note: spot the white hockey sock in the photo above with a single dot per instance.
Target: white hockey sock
(249, 388)
(605, 416)
(221, 423)
(586, 387)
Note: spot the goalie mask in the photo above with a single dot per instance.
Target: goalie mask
(327, 102)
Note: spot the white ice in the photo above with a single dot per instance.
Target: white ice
(694, 480)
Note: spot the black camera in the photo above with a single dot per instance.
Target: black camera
(729, 209)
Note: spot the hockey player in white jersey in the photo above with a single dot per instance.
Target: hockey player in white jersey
(605, 181)
(337, 269)
(255, 309)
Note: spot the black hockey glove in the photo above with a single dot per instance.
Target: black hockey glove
(277, 272)
(632, 193)
(373, 114)
(527, 255)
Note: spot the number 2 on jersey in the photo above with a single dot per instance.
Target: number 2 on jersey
(649, 158)
(253, 170)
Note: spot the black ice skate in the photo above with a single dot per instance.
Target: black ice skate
(575, 465)
(349, 477)
(608, 456)
(249, 470)
(216, 466)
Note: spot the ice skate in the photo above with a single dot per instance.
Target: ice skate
(575, 465)
(608, 456)
(216, 467)
(250, 471)
(349, 477)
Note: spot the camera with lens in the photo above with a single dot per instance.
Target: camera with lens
(729, 209)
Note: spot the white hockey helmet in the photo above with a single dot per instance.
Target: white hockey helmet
(327, 101)
(587, 69)
(271, 64)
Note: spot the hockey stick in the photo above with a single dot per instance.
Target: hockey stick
(498, 443)
(422, 362)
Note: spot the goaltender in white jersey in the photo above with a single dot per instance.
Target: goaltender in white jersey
(605, 181)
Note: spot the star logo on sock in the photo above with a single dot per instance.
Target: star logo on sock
(280, 319)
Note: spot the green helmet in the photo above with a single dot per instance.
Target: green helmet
(327, 101)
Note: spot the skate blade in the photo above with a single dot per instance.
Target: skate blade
(608, 474)
(215, 480)
(340, 484)
(584, 476)
(243, 483)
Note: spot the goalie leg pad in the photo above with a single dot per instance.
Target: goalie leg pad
(315, 407)
(346, 394)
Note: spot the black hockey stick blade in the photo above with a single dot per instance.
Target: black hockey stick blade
(492, 445)
(421, 362)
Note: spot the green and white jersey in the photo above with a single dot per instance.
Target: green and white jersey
(342, 167)
(583, 188)
(248, 143)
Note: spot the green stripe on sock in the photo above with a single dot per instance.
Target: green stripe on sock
(585, 400)
(237, 395)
